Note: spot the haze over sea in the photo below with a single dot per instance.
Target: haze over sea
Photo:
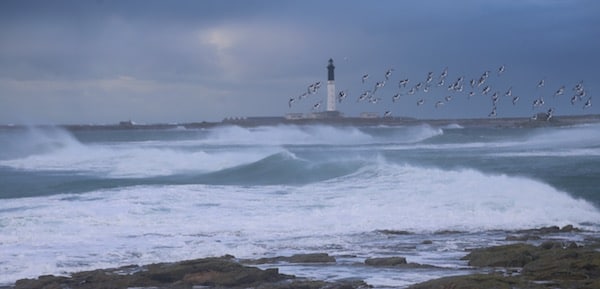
(84, 199)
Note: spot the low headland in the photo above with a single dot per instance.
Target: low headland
(540, 120)
(536, 258)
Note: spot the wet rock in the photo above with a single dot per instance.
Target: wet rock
(221, 272)
(386, 261)
(448, 232)
(394, 232)
(552, 264)
(399, 262)
(551, 230)
(315, 284)
(45, 282)
(522, 238)
(565, 264)
(515, 255)
(476, 281)
(298, 258)
(569, 228)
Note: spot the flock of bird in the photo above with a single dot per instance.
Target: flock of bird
(421, 91)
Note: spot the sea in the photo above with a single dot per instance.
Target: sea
(73, 200)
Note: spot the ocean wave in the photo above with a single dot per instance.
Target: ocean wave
(132, 224)
(572, 137)
(215, 150)
(283, 168)
(58, 150)
(412, 198)
(319, 135)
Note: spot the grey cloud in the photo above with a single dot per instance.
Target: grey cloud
(247, 57)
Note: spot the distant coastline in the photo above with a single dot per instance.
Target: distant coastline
(564, 120)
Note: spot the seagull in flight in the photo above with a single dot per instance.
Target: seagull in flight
(549, 114)
(341, 96)
(441, 82)
(515, 99)
(501, 70)
(509, 92)
(444, 73)
(404, 82)
(429, 77)
(560, 91)
(493, 112)
(538, 102)
(379, 84)
(588, 103)
(317, 105)
(388, 73)
(541, 83)
(486, 90)
(363, 96)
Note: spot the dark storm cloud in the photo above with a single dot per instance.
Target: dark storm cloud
(197, 60)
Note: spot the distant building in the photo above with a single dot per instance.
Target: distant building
(294, 116)
(325, 114)
(127, 123)
(369, 115)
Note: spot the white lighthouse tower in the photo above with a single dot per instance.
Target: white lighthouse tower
(330, 86)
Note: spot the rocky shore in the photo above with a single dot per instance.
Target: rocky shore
(519, 264)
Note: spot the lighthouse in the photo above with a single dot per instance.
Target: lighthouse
(330, 86)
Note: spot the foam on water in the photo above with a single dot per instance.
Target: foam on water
(576, 136)
(287, 135)
(58, 150)
(279, 190)
(145, 224)
(136, 162)
(317, 135)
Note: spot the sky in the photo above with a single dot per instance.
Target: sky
(104, 61)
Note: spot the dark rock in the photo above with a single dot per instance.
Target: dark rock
(394, 232)
(448, 232)
(552, 263)
(427, 242)
(42, 282)
(515, 255)
(522, 238)
(316, 284)
(298, 258)
(565, 264)
(569, 229)
(551, 245)
(399, 262)
(550, 230)
(386, 261)
(412, 265)
(214, 272)
(311, 258)
(572, 245)
(476, 281)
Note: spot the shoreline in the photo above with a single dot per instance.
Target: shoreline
(559, 120)
(534, 258)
